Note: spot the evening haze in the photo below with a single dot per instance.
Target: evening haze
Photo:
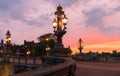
(96, 22)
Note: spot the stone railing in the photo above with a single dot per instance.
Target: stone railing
(57, 67)
(21, 60)
(25, 60)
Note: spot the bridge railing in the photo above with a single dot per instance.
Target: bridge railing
(61, 67)
(26, 60)
(22, 60)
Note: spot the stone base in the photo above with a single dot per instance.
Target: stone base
(61, 52)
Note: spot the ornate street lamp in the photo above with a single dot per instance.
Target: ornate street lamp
(59, 26)
(47, 46)
(8, 37)
(80, 47)
(8, 41)
(47, 50)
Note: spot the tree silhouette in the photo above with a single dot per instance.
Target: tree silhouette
(50, 36)
(40, 48)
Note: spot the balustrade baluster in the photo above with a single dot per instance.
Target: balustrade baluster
(13, 59)
(25, 60)
(19, 60)
(34, 60)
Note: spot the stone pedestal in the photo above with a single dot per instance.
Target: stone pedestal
(60, 51)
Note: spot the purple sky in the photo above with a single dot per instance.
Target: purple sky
(95, 21)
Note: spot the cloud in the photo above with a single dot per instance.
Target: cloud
(33, 17)
(30, 12)
(114, 44)
(7, 5)
(39, 21)
(94, 18)
(1, 34)
(24, 16)
(10, 8)
(65, 3)
(88, 20)
(106, 21)
(117, 8)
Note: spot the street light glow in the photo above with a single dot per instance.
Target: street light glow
(46, 39)
(54, 23)
(64, 20)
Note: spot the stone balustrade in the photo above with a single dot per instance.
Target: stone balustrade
(22, 60)
(57, 67)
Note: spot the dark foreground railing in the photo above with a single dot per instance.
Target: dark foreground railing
(57, 67)
(21, 60)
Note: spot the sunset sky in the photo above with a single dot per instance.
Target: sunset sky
(97, 22)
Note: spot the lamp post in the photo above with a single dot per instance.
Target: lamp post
(47, 46)
(59, 26)
(80, 47)
(47, 49)
(8, 40)
(8, 37)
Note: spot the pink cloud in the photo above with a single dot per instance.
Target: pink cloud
(112, 20)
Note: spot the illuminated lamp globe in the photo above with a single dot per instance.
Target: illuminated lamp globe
(54, 23)
(64, 20)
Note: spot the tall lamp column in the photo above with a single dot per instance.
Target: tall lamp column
(59, 26)
(80, 47)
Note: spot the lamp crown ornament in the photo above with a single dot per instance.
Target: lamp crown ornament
(59, 7)
(80, 47)
(8, 33)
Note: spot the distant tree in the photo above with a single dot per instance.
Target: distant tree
(40, 48)
(50, 36)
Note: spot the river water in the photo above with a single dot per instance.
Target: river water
(6, 69)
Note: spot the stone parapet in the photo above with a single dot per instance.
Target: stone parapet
(64, 68)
